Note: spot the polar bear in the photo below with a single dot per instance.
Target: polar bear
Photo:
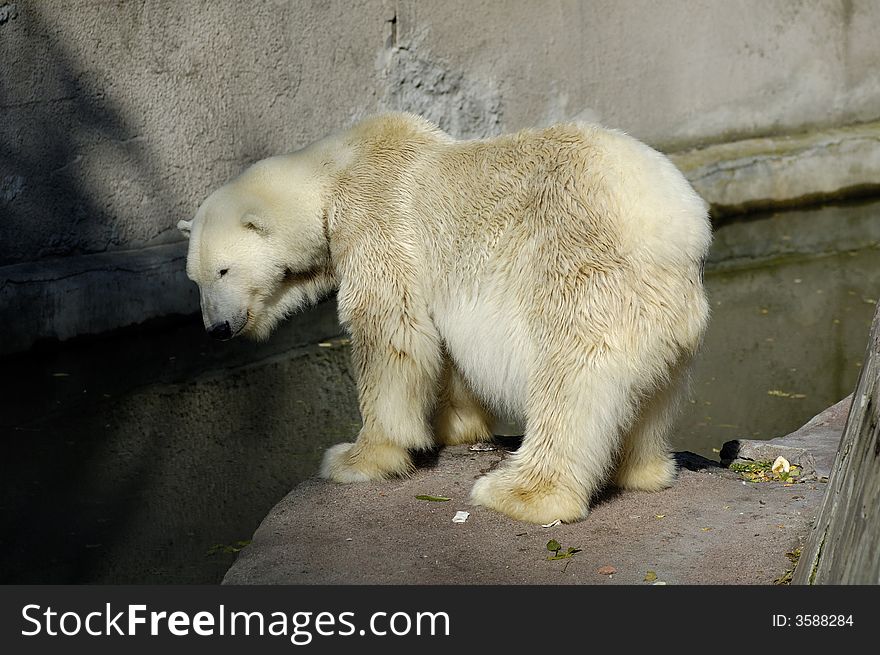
(552, 275)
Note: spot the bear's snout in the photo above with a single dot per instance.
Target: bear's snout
(220, 331)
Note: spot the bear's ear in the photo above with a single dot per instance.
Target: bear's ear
(255, 223)
(185, 227)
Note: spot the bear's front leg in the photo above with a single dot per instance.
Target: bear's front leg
(397, 357)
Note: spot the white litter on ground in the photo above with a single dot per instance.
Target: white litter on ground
(460, 517)
(781, 465)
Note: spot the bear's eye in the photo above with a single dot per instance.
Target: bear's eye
(223, 271)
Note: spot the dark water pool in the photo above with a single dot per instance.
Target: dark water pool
(789, 326)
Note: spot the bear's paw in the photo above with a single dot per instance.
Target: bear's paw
(655, 474)
(457, 427)
(359, 462)
(528, 500)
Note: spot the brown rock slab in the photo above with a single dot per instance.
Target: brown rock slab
(711, 527)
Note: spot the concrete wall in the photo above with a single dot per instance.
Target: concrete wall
(117, 118)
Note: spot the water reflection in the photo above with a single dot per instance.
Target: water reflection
(788, 335)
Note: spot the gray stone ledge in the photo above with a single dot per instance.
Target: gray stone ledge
(89, 294)
(755, 174)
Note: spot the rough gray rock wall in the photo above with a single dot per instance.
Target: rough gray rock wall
(118, 119)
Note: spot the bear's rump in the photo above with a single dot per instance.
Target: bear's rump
(645, 322)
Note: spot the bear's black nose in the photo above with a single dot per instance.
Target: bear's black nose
(220, 331)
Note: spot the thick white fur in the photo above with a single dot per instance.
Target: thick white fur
(553, 275)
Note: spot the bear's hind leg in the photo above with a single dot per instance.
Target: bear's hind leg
(573, 425)
(460, 417)
(645, 461)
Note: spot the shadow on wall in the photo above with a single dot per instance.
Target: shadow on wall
(57, 128)
(125, 487)
(66, 149)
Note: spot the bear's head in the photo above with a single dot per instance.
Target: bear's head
(258, 248)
